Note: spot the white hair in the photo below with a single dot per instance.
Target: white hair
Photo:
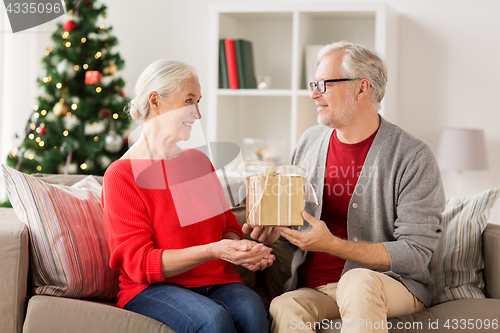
(360, 62)
(163, 76)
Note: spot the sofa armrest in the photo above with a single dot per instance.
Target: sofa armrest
(14, 265)
(491, 252)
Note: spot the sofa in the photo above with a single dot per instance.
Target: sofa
(21, 311)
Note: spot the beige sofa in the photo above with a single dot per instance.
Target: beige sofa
(22, 312)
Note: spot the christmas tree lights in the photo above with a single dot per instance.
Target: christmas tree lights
(77, 125)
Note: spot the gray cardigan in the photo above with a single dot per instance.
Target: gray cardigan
(398, 201)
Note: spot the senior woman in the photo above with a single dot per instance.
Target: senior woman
(169, 227)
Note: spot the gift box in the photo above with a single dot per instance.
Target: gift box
(275, 199)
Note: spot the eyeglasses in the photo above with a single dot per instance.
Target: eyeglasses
(321, 84)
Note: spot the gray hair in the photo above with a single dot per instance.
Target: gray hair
(358, 61)
(162, 76)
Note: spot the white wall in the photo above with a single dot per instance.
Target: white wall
(449, 53)
(449, 65)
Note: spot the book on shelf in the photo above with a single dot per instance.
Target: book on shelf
(223, 79)
(231, 63)
(236, 64)
(244, 58)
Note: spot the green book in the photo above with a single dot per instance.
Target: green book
(244, 58)
(223, 79)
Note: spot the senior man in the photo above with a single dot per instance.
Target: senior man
(364, 252)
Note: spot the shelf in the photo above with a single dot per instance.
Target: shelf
(270, 34)
(279, 34)
(263, 92)
(304, 92)
(254, 92)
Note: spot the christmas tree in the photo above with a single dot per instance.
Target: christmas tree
(78, 122)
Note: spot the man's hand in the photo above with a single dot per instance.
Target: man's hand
(266, 235)
(318, 239)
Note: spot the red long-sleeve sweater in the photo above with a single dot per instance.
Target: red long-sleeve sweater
(155, 205)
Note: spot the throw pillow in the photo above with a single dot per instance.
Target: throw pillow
(69, 251)
(66, 180)
(457, 265)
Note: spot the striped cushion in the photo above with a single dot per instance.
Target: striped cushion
(457, 265)
(69, 250)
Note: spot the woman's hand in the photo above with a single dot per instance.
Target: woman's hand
(261, 265)
(248, 254)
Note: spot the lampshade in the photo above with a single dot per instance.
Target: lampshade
(462, 149)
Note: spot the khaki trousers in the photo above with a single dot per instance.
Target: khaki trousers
(363, 298)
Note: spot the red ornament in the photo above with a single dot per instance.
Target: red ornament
(70, 26)
(122, 94)
(93, 77)
(43, 130)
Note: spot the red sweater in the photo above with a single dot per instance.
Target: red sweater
(155, 205)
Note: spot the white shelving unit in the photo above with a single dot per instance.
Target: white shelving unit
(279, 34)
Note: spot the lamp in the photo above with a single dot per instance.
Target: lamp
(462, 149)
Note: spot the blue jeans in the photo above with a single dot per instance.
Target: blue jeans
(223, 308)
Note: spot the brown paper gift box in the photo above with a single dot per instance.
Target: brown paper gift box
(282, 200)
